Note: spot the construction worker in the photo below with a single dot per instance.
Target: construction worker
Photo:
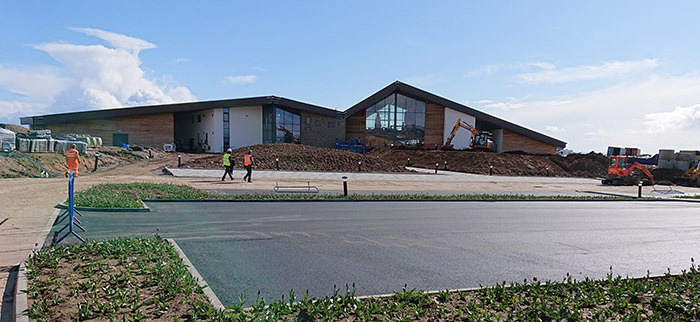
(248, 164)
(228, 165)
(72, 160)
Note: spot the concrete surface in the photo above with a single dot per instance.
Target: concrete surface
(243, 247)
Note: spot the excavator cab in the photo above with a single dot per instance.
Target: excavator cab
(620, 172)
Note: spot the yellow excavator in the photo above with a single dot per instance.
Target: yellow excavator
(480, 140)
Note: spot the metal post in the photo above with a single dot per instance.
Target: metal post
(639, 191)
(490, 170)
(408, 164)
(436, 167)
(359, 166)
(547, 171)
(179, 160)
(97, 156)
(277, 162)
(345, 186)
(445, 165)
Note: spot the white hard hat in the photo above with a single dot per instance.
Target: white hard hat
(228, 150)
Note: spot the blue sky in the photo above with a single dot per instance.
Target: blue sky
(593, 73)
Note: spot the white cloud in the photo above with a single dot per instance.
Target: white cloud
(33, 81)
(239, 80)
(179, 60)
(681, 118)
(132, 44)
(634, 114)
(588, 72)
(554, 129)
(91, 76)
(496, 68)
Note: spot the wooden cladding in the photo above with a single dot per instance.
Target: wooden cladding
(516, 142)
(434, 125)
(355, 126)
(151, 130)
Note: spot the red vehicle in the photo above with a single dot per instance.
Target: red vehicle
(622, 174)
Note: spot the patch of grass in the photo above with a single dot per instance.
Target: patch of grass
(119, 279)
(128, 195)
(666, 298)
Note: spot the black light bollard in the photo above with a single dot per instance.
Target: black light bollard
(490, 170)
(436, 167)
(639, 191)
(179, 160)
(445, 165)
(408, 163)
(150, 154)
(359, 166)
(97, 157)
(277, 162)
(345, 186)
(547, 168)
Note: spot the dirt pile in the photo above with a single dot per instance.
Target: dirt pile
(18, 129)
(15, 164)
(298, 157)
(665, 176)
(590, 165)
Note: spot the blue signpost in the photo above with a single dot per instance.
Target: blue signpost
(70, 214)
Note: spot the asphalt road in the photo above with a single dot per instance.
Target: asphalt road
(240, 248)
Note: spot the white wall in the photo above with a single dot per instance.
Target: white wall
(463, 137)
(246, 126)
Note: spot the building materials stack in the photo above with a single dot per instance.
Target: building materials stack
(7, 140)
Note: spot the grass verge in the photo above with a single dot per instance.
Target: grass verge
(143, 278)
(128, 195)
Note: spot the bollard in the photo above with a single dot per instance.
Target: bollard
(277, 162)
(359, 166)
(408, 164)
(639, 191)
(490, 170)
(445, 165)
(179, 160)
(97, 156)
(436, 167)
(547, 168)
(345, 186)
(150, 154)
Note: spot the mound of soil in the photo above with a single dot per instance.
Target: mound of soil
(18, 129)
(298, 157)
(590, 165)
(666, 175)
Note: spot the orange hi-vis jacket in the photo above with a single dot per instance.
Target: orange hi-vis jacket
(248, 160)
(72, 160)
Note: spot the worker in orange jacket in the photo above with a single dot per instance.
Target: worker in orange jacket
(72, 160)
(248, 164)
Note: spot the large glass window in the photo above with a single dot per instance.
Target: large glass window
(280, 125)
(227, 131)
(396, 119)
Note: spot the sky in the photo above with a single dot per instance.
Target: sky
(591, 73)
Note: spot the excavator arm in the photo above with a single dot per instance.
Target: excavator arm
(461, 124)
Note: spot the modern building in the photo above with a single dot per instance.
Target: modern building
(397, 114)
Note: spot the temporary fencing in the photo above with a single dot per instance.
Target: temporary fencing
(7, 140)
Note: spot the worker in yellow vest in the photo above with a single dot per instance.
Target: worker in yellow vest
(248, 164)
(228, 165)
(72, 160)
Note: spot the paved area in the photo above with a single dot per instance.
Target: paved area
(241, 248)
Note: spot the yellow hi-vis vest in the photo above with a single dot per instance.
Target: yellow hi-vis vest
(227, 161)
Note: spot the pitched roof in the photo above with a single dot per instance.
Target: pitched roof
(396, 87)
(178, 107)
(417, 93)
